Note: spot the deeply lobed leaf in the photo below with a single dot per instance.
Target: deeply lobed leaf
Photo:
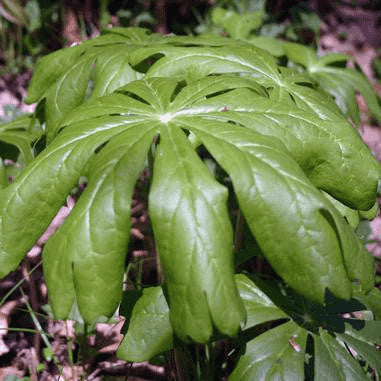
(280, 142)
(340, 82)
(279, 353)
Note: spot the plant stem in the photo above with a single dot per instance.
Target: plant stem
(83, 346)
(17, 285)
(37, 323)
(238, 234)
(180, 362)
(30, 330)
(33, 301)
(211, 360)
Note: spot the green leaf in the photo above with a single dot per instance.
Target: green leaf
(300, 54)
(316, 145)
(343, 92)
(298, 86)
(3, 175)
(88, 252)
(351, 215)
(368, 352)
(277, 354)
(204, 107)
(371, 213)
(333, 58)
(67, 93)
(200, 62)
(278, 351)
(237, 25)
(127, 305)
(333, 362)
(356, 81)
(149, 331)
(36, 196)
(270, 44)
(49, 69)
(210, 91)
(183, 196)
(112, 71)
(365, 330)
(20, 133)
(251, 159)
(259, 307)
(310, 20)
(340, 82)
(372, 300)
(133, 34)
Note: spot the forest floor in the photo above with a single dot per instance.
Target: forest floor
(20, 350)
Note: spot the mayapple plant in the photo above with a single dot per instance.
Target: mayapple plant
(300, 172)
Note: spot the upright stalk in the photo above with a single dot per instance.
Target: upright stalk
(181, 363)
(238, 234)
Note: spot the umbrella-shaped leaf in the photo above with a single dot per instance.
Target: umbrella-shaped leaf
(300, 54)
(204, 107)
(278, 155)
(270, 44)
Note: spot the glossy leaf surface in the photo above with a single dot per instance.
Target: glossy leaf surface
(183, 197)
(281, 352)
(340, 82)
(149, 330)
(21, 134)
(169, 95)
